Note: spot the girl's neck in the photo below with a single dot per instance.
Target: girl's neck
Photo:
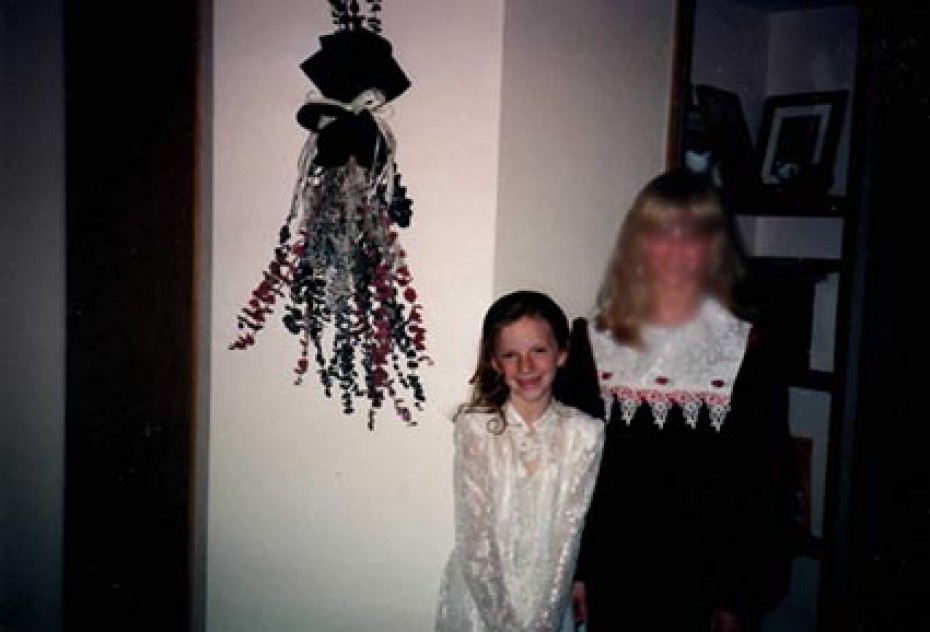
(529, 412)
(675, 306)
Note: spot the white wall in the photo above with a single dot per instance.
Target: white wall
(584, 124)
(316, 523)
(32, 378)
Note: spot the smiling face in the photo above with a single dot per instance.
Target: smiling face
(527, 356)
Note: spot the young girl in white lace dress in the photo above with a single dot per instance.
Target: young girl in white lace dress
(523, 475)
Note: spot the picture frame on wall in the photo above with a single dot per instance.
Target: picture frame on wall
(798, 138)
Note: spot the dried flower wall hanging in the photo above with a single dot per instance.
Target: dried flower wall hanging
(338, 274)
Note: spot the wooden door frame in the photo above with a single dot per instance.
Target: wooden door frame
(131, 107)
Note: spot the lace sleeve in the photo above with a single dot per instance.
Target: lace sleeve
(475, 537)
(584, 462)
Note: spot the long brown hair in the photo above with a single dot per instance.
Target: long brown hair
(676, 197)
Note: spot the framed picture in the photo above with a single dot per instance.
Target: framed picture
(799, 136)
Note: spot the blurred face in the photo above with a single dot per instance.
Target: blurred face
(675, 258)
(527, 357)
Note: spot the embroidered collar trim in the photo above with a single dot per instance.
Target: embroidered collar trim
(549, 417)
(689, 366)
(528, 440)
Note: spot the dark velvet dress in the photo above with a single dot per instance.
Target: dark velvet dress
(686, 518)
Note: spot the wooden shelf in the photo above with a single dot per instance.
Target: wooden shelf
(775, 204)
(797, 267)
(814, 380)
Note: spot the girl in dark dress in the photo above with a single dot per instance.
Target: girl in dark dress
(691, 522)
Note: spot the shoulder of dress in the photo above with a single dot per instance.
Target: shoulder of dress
(764, 348)
(725, 327)
(579, 419)
(716, 313)
(471, 421)
(760, 335)
(579, 329)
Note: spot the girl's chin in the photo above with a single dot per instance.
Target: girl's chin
(534, 387)
(532, 393)
(677, 281)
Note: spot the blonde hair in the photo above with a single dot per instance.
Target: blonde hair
(675, 198)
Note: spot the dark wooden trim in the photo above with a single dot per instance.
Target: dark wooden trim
(680, 80)
(877, 565)
(130, 77)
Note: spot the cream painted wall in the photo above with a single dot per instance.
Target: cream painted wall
(584, 122)
(314, 522)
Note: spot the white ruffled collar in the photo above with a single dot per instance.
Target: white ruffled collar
(529, 441)
(691, 365)
(546, 420)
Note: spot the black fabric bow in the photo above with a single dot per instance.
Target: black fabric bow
(342, 133)
(349, 63)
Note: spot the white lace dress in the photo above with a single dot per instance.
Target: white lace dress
(520, 502)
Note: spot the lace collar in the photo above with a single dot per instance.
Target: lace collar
(529, 441)
(545, 421)
(691, 365)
